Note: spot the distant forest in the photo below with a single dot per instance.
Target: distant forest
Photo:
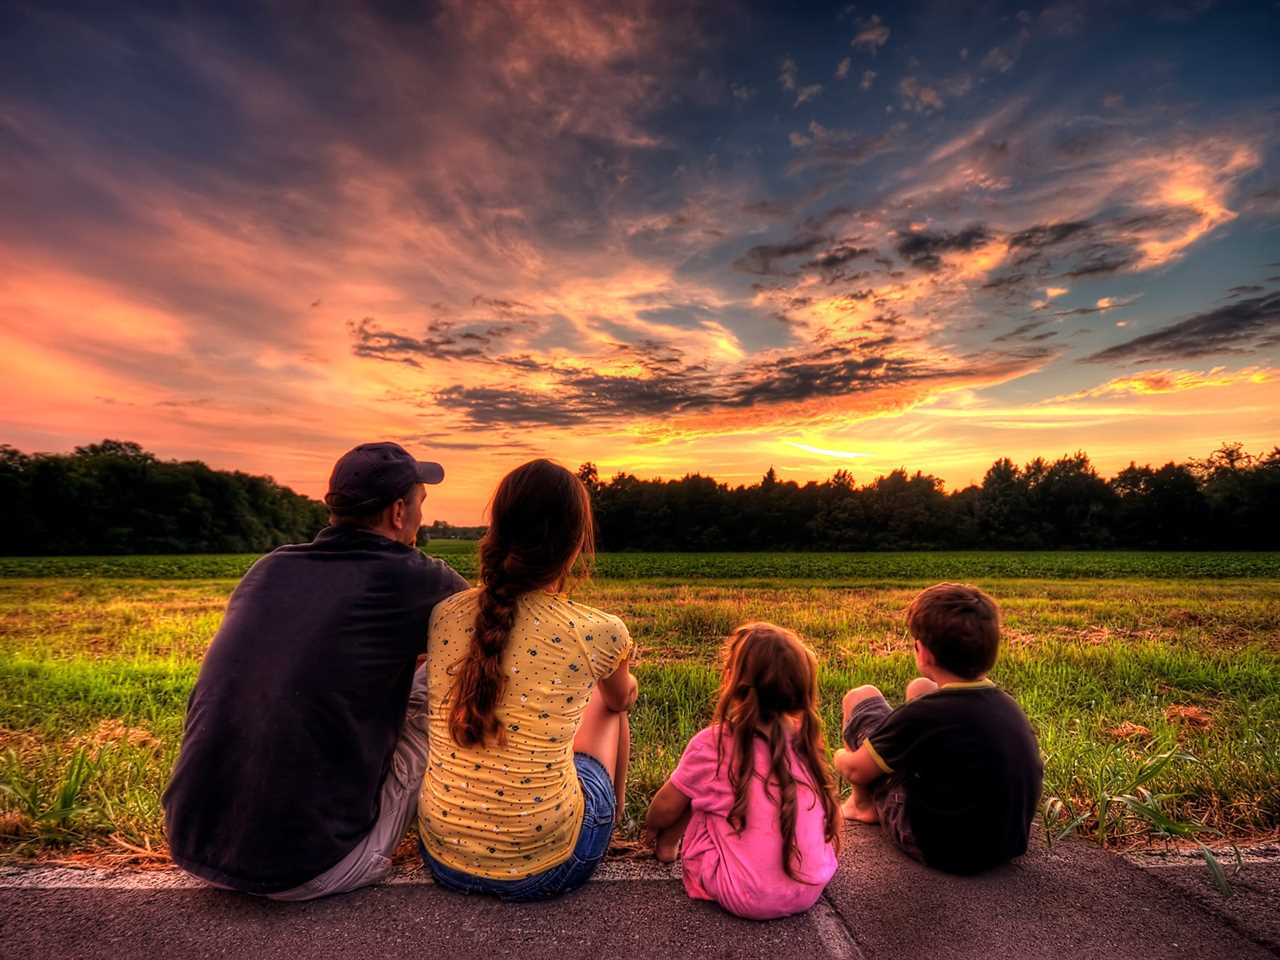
(114, 497)
(1229, 500)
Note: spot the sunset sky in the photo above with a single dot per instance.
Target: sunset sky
(666, 238)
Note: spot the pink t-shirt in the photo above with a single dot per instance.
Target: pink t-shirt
(743, 872)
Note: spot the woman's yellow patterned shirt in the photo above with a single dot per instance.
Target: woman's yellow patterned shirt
(510, 811)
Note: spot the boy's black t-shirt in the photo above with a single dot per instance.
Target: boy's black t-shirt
(294, 718)
(971, 773)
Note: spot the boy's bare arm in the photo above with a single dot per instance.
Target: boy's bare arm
(666, 809)
(857, 766)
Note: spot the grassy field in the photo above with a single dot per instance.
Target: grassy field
(964, 565)
(1116, 657)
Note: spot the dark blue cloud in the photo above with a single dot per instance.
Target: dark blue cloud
(1246, 326)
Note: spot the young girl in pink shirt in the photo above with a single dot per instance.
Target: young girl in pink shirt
(752, 805)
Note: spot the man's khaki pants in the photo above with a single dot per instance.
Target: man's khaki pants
(370, 861)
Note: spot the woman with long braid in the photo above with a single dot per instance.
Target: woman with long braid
(527, 700)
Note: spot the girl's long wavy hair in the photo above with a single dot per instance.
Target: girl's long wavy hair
(770, 679)
(540, 531)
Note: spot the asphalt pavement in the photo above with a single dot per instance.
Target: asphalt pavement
(1074, 901)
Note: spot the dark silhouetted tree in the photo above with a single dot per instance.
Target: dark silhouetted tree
(115, 497)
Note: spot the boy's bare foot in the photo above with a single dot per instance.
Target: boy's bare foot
(859, 807)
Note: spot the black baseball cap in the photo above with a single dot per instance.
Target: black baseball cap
(374, 475)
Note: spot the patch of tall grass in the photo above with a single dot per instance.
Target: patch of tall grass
(1111, 673)
(1073, 695)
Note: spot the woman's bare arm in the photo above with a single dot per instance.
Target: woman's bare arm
(620, 688)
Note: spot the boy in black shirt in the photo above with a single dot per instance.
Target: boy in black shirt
(953, 775)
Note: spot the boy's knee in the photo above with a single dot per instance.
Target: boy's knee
(919, 687)
(855, 696)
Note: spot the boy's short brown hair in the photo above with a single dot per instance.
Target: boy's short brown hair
(959, 625)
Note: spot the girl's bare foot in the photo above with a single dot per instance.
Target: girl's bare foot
(859, 807)
(667, 845)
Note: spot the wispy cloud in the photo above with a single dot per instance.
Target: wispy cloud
(918, 96)
(1245, 326)
(923, 248)
(1032, 332)
(823, 452)
(1001, 58)
(1101, 305)
(873, 33)
(826, 148)
(656, 380)
(788, 73)
(807, 93)
(1153, 382)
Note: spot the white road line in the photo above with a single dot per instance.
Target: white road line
(832, 932)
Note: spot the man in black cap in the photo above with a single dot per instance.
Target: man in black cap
(305, 738)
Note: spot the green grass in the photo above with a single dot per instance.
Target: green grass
(934, 566)
(102, 668)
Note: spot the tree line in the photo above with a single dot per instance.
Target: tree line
(443, 530)
(1226, 501)
(114, 497)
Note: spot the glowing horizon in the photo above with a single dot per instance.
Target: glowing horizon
(665, 241)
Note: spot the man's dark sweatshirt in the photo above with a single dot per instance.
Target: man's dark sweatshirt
(296, 712)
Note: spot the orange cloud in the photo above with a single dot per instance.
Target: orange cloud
(867, 399)
(1197, 177)
(1152, 382)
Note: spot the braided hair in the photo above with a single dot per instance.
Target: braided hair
(540, 528)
